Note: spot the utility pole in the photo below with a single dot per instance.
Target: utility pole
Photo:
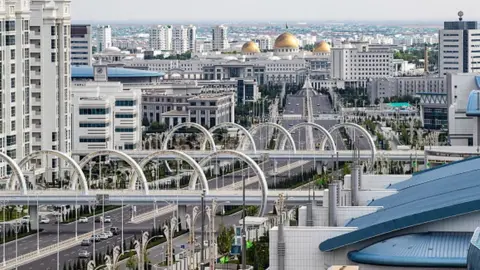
(202, 256)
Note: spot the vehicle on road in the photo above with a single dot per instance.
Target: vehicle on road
(108, 219)
(95, 238)
(103, 236)
(83, 220)
(109, 234)
(98, 219)
(115, 230)
(361, 136)
(84, 254)
(86, 242)
(44, 220)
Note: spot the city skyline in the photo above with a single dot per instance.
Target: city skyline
(303, 10)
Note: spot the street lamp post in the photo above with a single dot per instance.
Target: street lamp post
(4, 205)
(169, 232)
(211, 213)
(190, 220)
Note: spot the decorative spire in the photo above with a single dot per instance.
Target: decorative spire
(286, 26)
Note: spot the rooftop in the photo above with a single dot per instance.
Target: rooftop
(84, 72)
(432, 249)
(435, 194)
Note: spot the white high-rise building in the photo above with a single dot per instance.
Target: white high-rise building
(50, 79)
(179, 39)
(161, 38)
(15, 116)
(81, 49)
(264, 43)
(192, 38)
(104, 37)
(459, 47)
(220, 38)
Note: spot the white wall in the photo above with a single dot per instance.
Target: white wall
(302, 247)
(344, 214)
(376, 181)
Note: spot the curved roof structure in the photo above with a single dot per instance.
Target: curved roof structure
(432, 249)
(83, 72)
(286, 40)
(250, 47)
(433, 195)
(473, 103)
(321, 47)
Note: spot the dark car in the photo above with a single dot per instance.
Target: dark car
(115, 230)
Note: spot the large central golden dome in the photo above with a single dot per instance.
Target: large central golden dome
(321, 47)
(286, 40)
(250, 47)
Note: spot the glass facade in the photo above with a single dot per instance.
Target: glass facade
(435, 118)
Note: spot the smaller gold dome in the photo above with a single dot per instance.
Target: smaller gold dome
(286, 40)
(321, 47)
(250, 47)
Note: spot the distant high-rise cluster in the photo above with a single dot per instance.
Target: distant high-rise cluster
(104, 37)
(81, 41)
(178, 38)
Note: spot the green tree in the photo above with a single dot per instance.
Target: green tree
(252, 210)
(132, 261)
(225, 239)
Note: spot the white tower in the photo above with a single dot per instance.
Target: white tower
(220, 38)
(192, 37)
(16, 101)
(104, 37)
(161, 37)
(179, 39)
(51, 89)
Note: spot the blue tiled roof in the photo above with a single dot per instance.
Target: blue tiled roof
(87, 72)
(473, 103)
(436, 194)
(432, 249)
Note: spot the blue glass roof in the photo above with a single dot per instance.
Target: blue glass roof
(477, 80)
(435, 194)
(432, 249)
(473, 103)
(80, 72)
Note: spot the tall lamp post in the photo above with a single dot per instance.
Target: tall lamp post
(190, 220)
(4, 205)
(211, 213)
(169, 232)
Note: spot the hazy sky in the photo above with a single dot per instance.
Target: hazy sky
(275, 10)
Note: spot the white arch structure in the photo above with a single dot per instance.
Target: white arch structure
(198, 170)
(327, 134)
(277, 126)
(169, 135)
(359, 128)
(17, 174)
(258, 171)
(207, 134)
(235, 125)
(60, 155)
(125, 158)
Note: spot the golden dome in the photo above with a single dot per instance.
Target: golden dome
(321, 47)
(286, 40)
(250, 47)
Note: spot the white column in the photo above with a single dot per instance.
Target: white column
(33, 212)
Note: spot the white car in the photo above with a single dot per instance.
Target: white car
(83, 220)
(25, 220)
(84, 254)
(103, 236)
(107, 219)
(109, 234)
(44, 220)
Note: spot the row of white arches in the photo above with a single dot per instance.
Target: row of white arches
(17, 180)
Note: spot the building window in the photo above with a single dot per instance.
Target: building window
(53, 57)
(92, 140)
(11, 140)
(54, 136)
(10, 40)
(13, 126)
(129, 146)
(125, 129)
(124, 115)
(12, 111)
(12, 54)
(93, 125)
(53, 43)
(94, 111)
(10, 26)
(124, 103)
(12, 83)
(53, 31)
